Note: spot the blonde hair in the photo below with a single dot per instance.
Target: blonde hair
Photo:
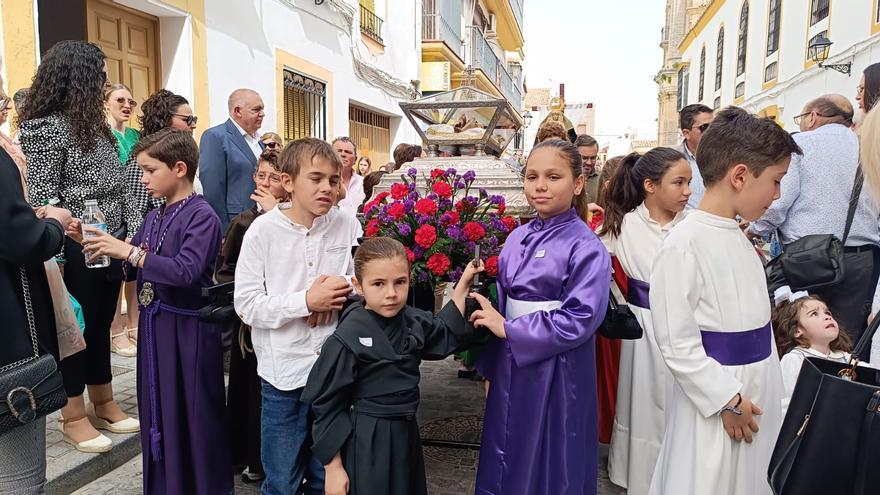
(870, 141)
(274, 137)
(115, 87)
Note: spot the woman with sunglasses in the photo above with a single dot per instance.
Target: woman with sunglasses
(119, 105)
(272, 141)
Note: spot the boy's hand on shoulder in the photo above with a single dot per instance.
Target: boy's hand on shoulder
(327, 294)
(743, 426)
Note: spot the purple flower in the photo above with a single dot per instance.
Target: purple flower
(423, 219)
(444, 204)
(432, 196)
(469, 176)
(454, 232)
(496, 199)
(483, 193)
(422, 276)
(459, 184)
(404, 229)
(412, 172)
(413, 196)
(411, 186)
(451, 171)
(408, 205)
(419, 251)
(456, 274)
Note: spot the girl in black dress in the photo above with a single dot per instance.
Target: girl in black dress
(364, 388)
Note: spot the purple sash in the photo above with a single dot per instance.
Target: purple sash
(738, 348)
(637, 293)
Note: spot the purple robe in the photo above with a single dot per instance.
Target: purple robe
(188, 377)
(540, 429)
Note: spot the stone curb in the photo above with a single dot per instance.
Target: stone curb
(89, 467)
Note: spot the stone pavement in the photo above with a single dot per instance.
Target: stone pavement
(451, 409)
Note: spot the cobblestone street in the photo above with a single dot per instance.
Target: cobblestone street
(451, 409)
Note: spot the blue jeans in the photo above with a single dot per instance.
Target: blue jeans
(290, 467)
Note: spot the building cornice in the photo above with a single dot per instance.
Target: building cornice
(701, 24)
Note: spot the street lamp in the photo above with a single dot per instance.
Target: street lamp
(527, 118)
(818, 51)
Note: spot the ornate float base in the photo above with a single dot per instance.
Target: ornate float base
(494, 175)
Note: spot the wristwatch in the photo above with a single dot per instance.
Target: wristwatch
(734, 408)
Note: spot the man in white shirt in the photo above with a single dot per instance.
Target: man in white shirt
(352, 182)
(693, 121)
(229, 153)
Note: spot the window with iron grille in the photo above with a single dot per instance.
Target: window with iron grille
(305, 106)
(702, 73)
(742, 41)
(773, 26)
(371, 132)
(740, 90)
(770, 72)
(719, 58)
(818, 10)
(683, 76)
(371, 24)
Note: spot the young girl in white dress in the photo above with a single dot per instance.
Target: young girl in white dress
(804, 327)
(645, 199)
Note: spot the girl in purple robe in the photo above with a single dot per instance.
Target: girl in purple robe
(540, 427)
(181, 397)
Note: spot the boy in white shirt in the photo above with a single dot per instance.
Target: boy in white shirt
(292, 277)
(711, 319)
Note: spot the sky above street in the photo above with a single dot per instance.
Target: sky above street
(605, 51)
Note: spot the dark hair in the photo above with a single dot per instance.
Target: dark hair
(569, 153)
(871, 94)
(158, 111)
(270, 156)
(785, 324)
(550, 130)
(405, 153)
(585, 140)
(627, 190)
(377, 248)
(170, 146)
(346, 139)
(737, 136)
(304, 150)
(826, 107)
(608, 169)
(70, 81)
(686, 115)
(19, 98)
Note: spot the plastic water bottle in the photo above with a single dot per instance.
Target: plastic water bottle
(94, 218)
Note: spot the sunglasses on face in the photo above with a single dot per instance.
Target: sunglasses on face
(702, 127)
(270, 144)
(123, 100)
(190, 120)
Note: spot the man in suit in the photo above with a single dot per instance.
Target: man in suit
(228, 156)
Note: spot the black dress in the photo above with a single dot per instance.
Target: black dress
(364, 393)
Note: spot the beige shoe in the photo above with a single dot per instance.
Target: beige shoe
(130, 351)
(127, 425)
(93, 445)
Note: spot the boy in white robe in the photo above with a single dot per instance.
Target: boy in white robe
(711, 319)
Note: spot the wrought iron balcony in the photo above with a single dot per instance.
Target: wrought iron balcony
(435, 27)
(371, 24)
(480, 54)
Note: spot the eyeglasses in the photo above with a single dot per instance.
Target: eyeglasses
(189, 119)
(798, 118)
(123, 100)
(270, 144)
(702, 127)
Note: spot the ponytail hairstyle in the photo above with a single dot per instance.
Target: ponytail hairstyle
(569, 152)
(627, 188)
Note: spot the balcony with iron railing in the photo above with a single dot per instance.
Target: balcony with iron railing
(517, 7)
(435, 27)
(480, 54)
(371, 24)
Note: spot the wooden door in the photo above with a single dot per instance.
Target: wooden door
(129, 40)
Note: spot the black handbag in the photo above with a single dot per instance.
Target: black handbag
(32, 387)
(814, 261)
(620, 322)
(829, 439)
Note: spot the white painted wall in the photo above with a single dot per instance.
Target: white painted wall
(849, 27)
(242, 36)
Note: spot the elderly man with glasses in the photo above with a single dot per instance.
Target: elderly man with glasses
(693, 121)
(815, 197)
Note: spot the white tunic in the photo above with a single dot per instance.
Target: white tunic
(644, 381)
(707, 276)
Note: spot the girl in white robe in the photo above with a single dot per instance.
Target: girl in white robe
(645, 199)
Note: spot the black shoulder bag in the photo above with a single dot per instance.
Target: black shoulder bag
(32, 387)
(619, 322)
(829, 438)
(814, 261)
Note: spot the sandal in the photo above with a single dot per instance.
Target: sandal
(130, 351)
(127, 425)
(133, 340)
(93, 445)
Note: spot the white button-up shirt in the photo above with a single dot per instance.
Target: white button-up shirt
(279, 261)
(252, 140)
(697, 187)
(354, 196)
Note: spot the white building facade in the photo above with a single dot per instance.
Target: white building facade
(754, 53)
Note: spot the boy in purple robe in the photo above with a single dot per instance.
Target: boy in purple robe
(181, 397)
(540, 427)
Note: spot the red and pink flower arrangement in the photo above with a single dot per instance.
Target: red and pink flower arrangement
(442, 224)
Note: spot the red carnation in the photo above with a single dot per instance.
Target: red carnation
(372, 228)
(399, 191)
(426, 207)
(410, 255)
(492, 266)
(369, 206)
(453, 217)
(474, 231)
(510, 223)
(382, 195)
(438, 174)
(464, 205)
(439, 264)
(426, 235)
(396, 210)
(502, 208)
(442, 189)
